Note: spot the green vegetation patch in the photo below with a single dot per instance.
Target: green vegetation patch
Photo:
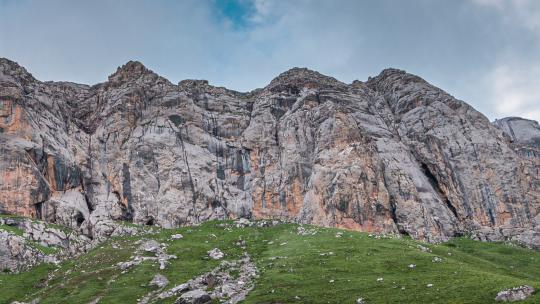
(326, 267)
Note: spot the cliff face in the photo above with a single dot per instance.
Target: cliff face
(393, 154)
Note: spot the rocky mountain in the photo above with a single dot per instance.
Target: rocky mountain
(394, 154)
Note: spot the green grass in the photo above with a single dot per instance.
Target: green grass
(473, 272)
(12, 229)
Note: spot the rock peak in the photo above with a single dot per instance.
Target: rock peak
(301, 77)
(12, 70)
(131, 70)
(521, 130)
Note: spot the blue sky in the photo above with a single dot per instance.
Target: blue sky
(486, 52)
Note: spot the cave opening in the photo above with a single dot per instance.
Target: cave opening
(39, 210)
(79, 218)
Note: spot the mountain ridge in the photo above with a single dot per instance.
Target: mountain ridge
(393, 154)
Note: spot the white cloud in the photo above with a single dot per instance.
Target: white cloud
(523, 12)
(514, 81)
(516, 91)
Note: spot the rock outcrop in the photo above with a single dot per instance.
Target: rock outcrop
(25, 243)
(393, 154)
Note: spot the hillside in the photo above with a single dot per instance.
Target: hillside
(292, 264)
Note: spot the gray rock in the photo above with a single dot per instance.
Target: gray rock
(515, 294)
(216, 254)
(159, 281)
(151, 246)
(194, 297)
(218, 283)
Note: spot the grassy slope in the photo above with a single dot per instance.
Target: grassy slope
(473, 273)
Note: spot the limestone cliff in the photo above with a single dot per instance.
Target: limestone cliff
(393, 154)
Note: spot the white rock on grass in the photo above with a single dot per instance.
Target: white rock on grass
(159, 281)
(429, 285)
(177, 236)
(216, 254)
(150, 246)
(515, 294)
(243, 222)
(424, 248)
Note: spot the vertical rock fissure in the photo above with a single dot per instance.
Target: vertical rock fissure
(191, 184)
(436, 186)
(126, 191)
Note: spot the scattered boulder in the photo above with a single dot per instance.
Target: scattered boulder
(423, 248)
(159, 281)
(303, 231)
(196, 296)
(515, 294)
(242, 222)
(159, 251)
(216, 254)
(151, 246)
(219, 284)
(176, 236)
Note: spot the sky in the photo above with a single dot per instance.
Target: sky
(485, 52)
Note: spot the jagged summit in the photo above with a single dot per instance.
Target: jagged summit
(394, 76)
(11, 71)
(130, 71)
(521, 130)
(298, 77)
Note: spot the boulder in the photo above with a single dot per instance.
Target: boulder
(159, 280)
(196, 296)
(216, 254)
(515, 294)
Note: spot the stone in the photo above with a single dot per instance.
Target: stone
(216, 254)
(159, 280)
(436, 260)
(243, 222)
(151, 246)
(423, 248)
(18, 252)
(515, 294)
(176, 237)
(197, 296)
